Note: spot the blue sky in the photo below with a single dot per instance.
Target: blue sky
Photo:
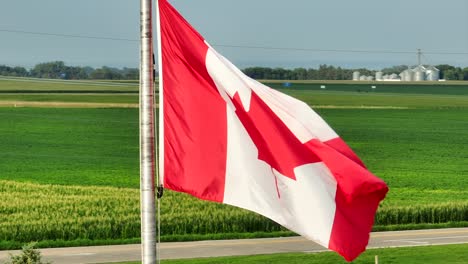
(398, 25)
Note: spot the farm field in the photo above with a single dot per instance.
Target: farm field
(27, 85)
(45, 90)
(449, 88)
(73, 173)
(69, 98)
(337, 93)
(318, 99)
(337, 99)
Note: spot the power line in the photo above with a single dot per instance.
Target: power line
(316, 50)
(241, 46)
(341, 50)
(66, 35)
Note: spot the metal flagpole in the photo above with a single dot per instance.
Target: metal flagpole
(147, 136)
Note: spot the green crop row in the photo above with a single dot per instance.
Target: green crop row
(419, 214)
(31, 212)
(35, 212)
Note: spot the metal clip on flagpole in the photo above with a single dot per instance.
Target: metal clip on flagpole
(147, 136)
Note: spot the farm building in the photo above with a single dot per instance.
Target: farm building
(418, 73)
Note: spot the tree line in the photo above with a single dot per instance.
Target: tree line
(327, 72)
(324, 72)
(58, 70)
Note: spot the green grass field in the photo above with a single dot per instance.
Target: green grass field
(451, 254)
(29, 85)
(337, 93)
(100, 146)
(40, 90)
(72, 97)
(70, 146)
(449, 88)
(390, 100)
(418, 149)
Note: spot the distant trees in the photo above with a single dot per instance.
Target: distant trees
(327, 72)
(51, 70)
(13, 71)
(105, 73)
(465, 73)
(395, 69)
(108, 73)
(324, 72)
(58, 70)
(449, 72)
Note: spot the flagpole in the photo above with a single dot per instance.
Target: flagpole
(147, 136)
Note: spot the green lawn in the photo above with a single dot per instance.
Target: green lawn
(451, 254)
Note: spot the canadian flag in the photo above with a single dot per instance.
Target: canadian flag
(230, 139)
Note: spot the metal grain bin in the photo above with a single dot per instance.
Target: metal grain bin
(407, 75)
(432, 73)
(419, 73)
(394, 76)
(379, 76)
(356, 76)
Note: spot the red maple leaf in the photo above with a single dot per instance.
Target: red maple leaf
(276, 144)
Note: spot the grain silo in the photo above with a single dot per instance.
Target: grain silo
(362, 78)
(394, 76)
(432, 73)
(407, 75)
(379, 76)
(419, 73)
(356, 76)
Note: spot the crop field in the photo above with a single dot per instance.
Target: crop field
(28, 85)
(18, 90)
(72, 173)
(336, 99)
(69, 98)
(448, 88)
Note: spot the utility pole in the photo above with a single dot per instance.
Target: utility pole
(147, 136)
(419, 56)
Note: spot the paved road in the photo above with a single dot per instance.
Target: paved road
(104, 254)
